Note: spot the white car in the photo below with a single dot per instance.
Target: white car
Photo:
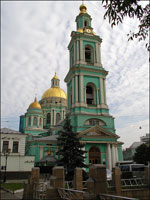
(108, 174)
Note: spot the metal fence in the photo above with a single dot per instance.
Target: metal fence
(133, 182)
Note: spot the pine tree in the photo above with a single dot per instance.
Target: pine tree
(70, 150)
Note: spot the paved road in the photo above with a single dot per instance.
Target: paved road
(7, 195)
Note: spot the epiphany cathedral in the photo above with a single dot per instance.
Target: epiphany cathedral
(85, 102)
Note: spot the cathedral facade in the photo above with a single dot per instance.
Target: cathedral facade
(85, 102)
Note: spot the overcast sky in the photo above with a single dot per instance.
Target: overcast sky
(34, 41)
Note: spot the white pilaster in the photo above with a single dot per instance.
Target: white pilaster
(81, 88)
(105, 91)
(97, 53)
(81, 50)
(102, 91)
(76, 81)
(97, 97)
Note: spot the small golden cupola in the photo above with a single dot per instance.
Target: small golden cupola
(55, 81)
(83, 8)
(35, 104)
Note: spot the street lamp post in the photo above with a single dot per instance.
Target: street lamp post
(6, 153)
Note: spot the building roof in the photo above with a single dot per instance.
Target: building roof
(135, 145)
(7, 130)
(48, 158)
(47, 138)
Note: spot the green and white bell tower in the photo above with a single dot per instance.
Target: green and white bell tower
(86, 78)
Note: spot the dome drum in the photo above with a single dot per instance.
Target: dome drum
(53, 101)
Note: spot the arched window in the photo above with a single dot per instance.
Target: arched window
(88, 54)
(35, 121)
(85, 23)
(94, 155)
(94, 122)
(48, 121)
(29, 121)
(89, 95)
(57, 117)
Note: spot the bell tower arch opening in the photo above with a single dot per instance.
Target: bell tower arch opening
(88, 54)
(94, 155)
(90, 94)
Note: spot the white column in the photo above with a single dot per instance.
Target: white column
(97, 53)
(109, 159)
(102, 91)
(81, 88)
(116, 154)
(81, 50)
(76, 81)
(113, 156)
(72, 90)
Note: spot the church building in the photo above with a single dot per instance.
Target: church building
(85, 102)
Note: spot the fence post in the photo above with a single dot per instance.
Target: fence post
(78, 180)
(98, 174)
(57, 180)
(117, 180)
(147, 175)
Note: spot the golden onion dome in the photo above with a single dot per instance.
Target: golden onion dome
(54, 92)
(83, 8)
(35, 104)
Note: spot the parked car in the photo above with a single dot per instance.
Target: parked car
(109, 174)
(132, 170)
